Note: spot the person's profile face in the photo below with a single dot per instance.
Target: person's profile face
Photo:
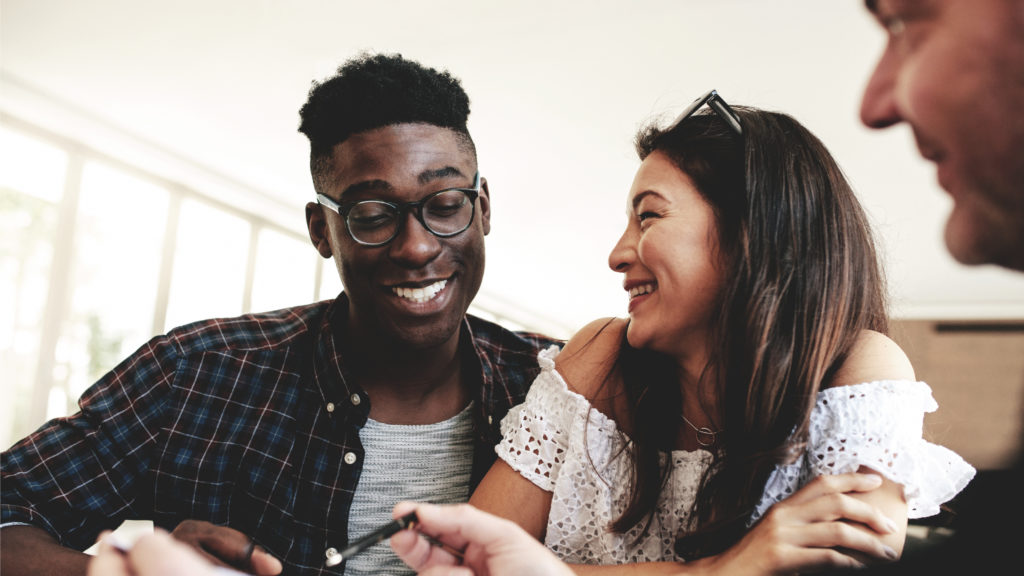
(415, 289)
(954, 71)
(668, 256)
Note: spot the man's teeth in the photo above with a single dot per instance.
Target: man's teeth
(640, 290)
(420, 294)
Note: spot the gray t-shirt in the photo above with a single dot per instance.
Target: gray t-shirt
(425, 463)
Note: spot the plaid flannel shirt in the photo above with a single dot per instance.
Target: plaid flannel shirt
(249, 422)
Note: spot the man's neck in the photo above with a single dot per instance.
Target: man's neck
(407, 385)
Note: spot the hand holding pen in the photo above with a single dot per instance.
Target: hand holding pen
(485, 544)
(400, 523)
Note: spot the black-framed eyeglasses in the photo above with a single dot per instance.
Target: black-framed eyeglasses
(444, 214)
(715, 101)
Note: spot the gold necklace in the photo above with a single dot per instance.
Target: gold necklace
(705, 436)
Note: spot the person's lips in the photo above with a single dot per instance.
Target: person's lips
(933, 153)
(638, 291)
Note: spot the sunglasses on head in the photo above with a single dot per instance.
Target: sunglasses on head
(716, 103)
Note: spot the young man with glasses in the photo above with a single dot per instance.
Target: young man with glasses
(283, 435)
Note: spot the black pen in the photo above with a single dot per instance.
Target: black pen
(386, 531)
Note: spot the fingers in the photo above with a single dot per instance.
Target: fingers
(448, 571)
(839, 507)
(262, 563)
(108, 561)
(827, 498)
(845, 536)
(225, 546)
(836, 484)
(853, 510)
(825, 523)
(459, 527)
(413, 549)
(486, 543)
(408, 546)
(220, 545)
(454, 524)
(812, 559)
(158, 554)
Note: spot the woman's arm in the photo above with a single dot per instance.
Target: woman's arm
(796, 535)
(825, 524)
(504, 492)
(875, 357)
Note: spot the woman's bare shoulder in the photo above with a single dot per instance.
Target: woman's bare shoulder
(587, 360)
(874, 356)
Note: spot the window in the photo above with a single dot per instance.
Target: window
(210, 262)
(32, 175)
(114, 275)
(285, 271)
(330, 282)
(97, 256)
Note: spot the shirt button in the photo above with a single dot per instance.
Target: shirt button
(356, 399)
(330, 406)
(331, 552)
(350, 458)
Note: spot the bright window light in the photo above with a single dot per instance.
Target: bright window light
(285, 271)
(209, 264)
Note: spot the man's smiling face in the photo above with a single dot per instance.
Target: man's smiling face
(414, 290)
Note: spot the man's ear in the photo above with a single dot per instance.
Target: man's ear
(485, 206)
(317, 225)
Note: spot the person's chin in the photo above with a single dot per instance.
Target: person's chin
(638, 336)
(430, 326)
(969, 239)
(424, 335)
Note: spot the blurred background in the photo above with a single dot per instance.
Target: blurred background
(151, 172)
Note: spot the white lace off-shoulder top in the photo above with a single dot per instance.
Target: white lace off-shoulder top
(559, 442)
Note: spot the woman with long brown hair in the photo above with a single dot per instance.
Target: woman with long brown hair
(751, 414)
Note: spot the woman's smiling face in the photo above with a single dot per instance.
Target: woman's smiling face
(670, 259)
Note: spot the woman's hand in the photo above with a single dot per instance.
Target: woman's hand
(823, 525)
(489, 545)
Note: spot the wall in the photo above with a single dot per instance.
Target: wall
(557, 89)
(976, 371)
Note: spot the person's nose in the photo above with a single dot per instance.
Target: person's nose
(414, 246)
(624, 252)
(878, 107)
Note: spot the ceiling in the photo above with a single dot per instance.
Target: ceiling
(557, 91)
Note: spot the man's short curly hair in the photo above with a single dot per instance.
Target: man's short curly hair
(375, 90)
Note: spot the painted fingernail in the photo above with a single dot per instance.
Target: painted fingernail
(890, 524)
(890, 553)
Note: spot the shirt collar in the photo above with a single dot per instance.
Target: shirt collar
(336, 384)
(331, 373)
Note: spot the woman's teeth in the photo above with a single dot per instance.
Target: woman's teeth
(640, 290)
